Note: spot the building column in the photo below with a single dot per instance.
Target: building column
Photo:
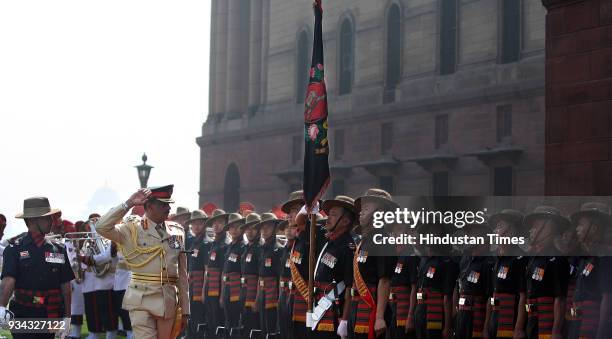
(578, 95)
(265, 43)
(255, 56)
(220, 57)
(237, 47)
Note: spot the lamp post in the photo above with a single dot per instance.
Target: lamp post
(143, 171)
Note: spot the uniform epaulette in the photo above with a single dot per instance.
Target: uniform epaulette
(132, 218)
(17, 239)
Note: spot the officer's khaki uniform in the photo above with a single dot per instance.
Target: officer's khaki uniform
(159, 271)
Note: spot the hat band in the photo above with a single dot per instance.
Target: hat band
(160, 195)
(36, 211)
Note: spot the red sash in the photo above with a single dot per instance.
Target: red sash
(50, 299)
(365, 294)
(196, 280)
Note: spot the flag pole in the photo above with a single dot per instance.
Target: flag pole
(311, 262)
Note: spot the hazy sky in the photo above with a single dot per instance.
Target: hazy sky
(86, 87)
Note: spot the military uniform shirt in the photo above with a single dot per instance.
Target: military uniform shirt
(216, 255)
(301, 249)
(336, 263)
(547, 277)
(593, 278)
(199, 254)
(508, 275)
(36, 268)
(232, 262)
(405, 273)
(438, 274)
(285, 257)
(474, 275)
(270, 260)
(373, 268)
(250, 259)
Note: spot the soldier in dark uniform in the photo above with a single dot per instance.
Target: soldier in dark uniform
(196, 260)
(36, 270)
(437, 274)
(334, 269)
(250, 274)
(269, 273)
(472, 286)
(212, 276)
(593, 295)
(507, 279)
(230, 277)
(285, 301)
(371, 273)
(402, 298)
(299, 272)
(546, 276)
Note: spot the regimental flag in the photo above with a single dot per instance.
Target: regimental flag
(316, 164)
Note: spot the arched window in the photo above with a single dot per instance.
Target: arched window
(394, 45)
(346, 57)
(231, 191)
(301, 68)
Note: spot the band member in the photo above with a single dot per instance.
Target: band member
(507, 279)
(36, 270)
(250, 274)
(157, 297)
(230, 276)
(334, 269)
(73, 248)
(198, 252)
(371, 273)
(212, 276)
(269, 274)
(591, 304)
(123, 276)
(546, 276)
(98, 284)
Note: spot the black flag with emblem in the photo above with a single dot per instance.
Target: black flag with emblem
(316, 164)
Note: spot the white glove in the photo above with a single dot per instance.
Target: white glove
(315, 209)
(5, 315)
(342, 329)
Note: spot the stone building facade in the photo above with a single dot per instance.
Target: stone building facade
(425, 97)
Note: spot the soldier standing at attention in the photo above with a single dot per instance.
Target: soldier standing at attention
(230, 287)
(212, 276)
(157, 296)
(250, 274)
(196, 260)
(269, 273)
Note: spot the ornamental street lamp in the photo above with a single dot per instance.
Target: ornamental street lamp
(143, 171)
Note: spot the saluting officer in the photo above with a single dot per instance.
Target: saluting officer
(334, 269)
(230, 288)
(591, 306)
(37, 270)
(546, 276)
(371, 273)
(212, 276)
(250, 274)
(198, 253)
(157, 296)
(507, 279)
(269, 273)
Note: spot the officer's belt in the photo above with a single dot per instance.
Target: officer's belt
(154, 278)
(326, 301)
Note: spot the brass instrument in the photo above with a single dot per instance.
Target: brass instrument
(89, 244)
